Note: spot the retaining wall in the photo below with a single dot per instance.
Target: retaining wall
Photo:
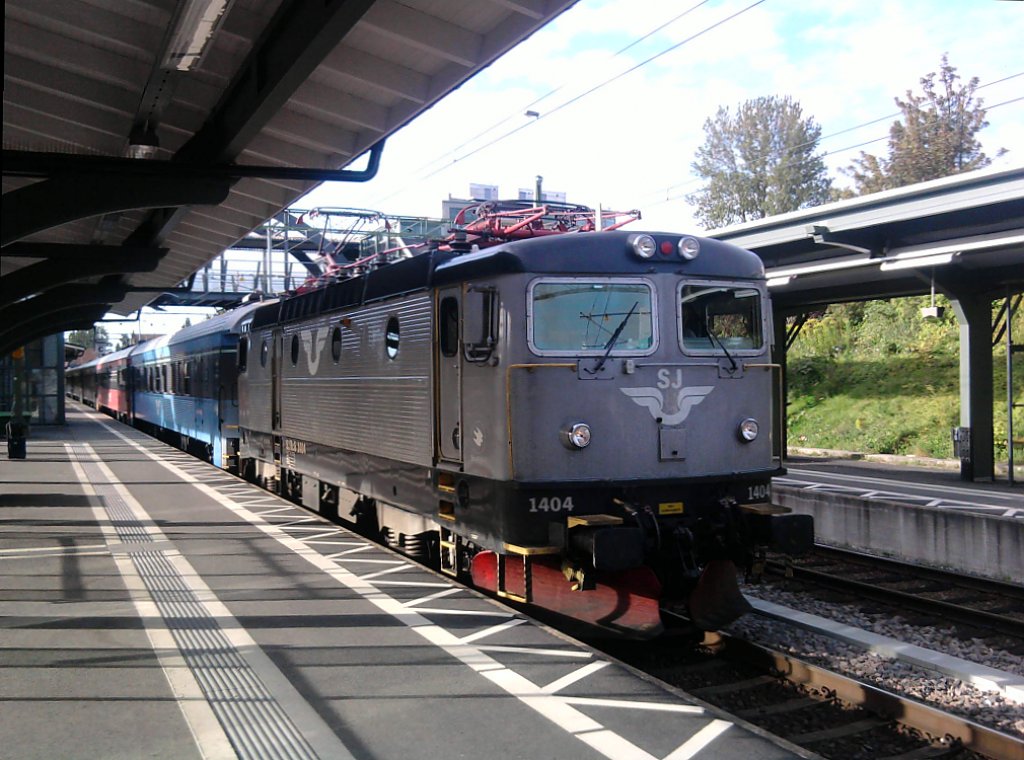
(984, 545)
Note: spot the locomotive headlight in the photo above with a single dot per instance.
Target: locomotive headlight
(644, 246)
(748, 429)
(577, 435)
(689, 247)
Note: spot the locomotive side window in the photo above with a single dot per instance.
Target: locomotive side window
(243, 354)
(590, 317)
(295, 349)
(449, 327)
(720, 318)
(391, 338)
(264, 351)
(336, 344)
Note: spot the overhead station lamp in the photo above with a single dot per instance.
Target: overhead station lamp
(197, 23)
(917, 262)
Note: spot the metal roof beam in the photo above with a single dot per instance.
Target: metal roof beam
(414, 28)
(20, 163)
(24, 317)
(45, 205)
(388, 76)
(86, 260)
(72, 318)
(297, 40)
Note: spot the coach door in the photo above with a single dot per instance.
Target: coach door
(276, 343)
(449, 375)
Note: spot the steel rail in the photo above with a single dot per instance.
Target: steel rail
(998, 623)
(930, 721)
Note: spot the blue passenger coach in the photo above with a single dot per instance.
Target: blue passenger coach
(186, 387)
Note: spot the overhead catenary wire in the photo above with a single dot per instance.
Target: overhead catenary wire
(596, 87)
(667, 191)
(517, 113)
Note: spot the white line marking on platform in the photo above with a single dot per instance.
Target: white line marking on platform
(413, 584)
(890, 482)
(572, 653)
(554, 708)
(471, 613)
(362, 548)
(432, 597)
(577, 675)
(92, 553)
(206, 730)
(399, 569)
(210, 735)
(700, 740)
(491, 631)
(51, 549)
(633, 705)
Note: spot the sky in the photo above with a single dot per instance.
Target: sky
(629, 143)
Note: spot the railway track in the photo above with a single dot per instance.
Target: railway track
(817, 709)
(933, 595)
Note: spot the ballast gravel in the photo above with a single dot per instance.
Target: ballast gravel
(943, 692)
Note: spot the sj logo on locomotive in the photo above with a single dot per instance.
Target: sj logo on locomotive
(683, 399)
(313, 341)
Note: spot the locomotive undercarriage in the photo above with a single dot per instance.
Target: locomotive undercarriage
(610, 553)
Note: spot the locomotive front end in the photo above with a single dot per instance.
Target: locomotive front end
(639, 387)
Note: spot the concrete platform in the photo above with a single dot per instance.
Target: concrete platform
(912, 513)
(153, 606)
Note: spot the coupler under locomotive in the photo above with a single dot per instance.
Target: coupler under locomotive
(621, 568)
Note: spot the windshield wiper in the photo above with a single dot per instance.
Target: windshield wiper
(611, 341)
(716, 339)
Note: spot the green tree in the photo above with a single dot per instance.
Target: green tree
(758, 162)
(80, 338)
(936, 136)
(97, 338)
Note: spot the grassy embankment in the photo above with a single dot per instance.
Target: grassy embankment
(877, 378)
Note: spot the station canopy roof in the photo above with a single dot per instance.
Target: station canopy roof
(142, 137)
(962, 235)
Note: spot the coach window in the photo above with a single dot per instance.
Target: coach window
(720, 319)
(295, 349)
(264, 350)
(336, 344)
(591, 317)
(449, 319)
(391, 336)
(243, 354)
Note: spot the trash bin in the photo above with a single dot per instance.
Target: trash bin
(962, 450)
(17, 432)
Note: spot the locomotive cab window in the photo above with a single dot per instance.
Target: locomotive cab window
(295, 349)
(449, 326)
(336, 344)
(243, 353)
(720, 318)
(391, 337)
(589, 317)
